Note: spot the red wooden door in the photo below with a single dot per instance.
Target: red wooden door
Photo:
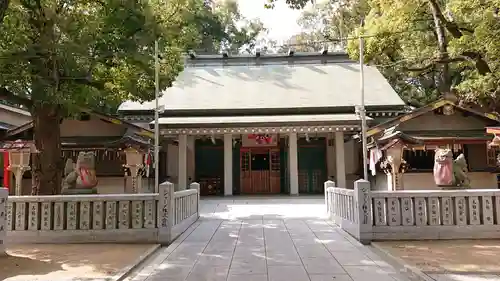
(259, 178)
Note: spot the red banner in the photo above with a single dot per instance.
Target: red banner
(259, 140)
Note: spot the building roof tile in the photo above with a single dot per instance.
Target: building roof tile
(333, 81)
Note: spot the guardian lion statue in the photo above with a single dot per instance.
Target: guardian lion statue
(449, 173)
(80, 178)
(460, 178)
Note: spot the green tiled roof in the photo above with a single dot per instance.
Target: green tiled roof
(331, 82)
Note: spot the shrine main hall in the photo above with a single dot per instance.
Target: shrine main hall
(265, 124)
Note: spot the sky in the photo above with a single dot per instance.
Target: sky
(281, 21)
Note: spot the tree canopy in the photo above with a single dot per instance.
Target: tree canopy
(425, 48)
(236, 33)
(59, 55)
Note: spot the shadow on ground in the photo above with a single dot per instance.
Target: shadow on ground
(78, 261)
(12, 266)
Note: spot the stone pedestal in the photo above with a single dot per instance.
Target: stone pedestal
(79, 191)
(4, 193)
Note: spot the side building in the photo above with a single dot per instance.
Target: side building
(406, 146)
(120, 149)
(265, 124)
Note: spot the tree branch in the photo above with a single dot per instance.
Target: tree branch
(456, 31)
(452, 27)
(423, 68)
(481, 65)
(4, 5)
(10, 96)
(434, 63)
(86, 81)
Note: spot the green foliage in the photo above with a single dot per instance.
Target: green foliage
(100, 53)
(229, 30)
(426, 48)
(327, 23)
(57, 56)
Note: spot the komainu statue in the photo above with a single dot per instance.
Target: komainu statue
(460, 178)
(449, 173)
(80, 178)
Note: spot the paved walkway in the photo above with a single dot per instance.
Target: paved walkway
(275, 239)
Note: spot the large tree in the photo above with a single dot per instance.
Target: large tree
(239, 33)
(58, 55)
(427, 48)
(326, 24)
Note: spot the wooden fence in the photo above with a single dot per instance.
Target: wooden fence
(414, 215)
(114, 218)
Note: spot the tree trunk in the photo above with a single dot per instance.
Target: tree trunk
(444, 84)
(47, 163)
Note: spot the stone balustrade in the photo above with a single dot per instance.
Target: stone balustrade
(186, 208)
(416, 215)
(348, 208)
(115, 218)
(443, 214)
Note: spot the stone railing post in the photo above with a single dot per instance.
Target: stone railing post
(165, 217)
(362, 204)
(4, 194)
(196, 186)
(328, 198)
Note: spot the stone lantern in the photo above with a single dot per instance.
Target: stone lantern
(19, 161)
(134, 163)
(495, 142)
(394, 157)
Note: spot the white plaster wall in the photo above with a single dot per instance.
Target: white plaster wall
(425, 181)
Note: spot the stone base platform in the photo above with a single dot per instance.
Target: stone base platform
(79, 191)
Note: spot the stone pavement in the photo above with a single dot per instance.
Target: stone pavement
(275, 239)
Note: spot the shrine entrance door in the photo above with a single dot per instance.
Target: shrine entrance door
(260, 170)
